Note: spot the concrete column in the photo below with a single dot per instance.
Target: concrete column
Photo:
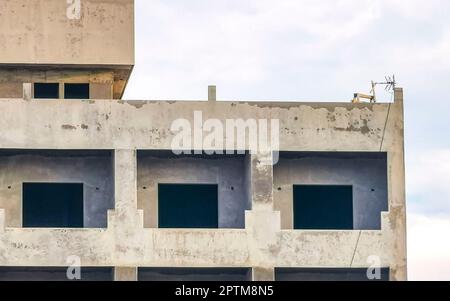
(125, 180)
(125, 274)
(263, 274)
(61, 90)
(393, 143)
(261, 181)
(212, 93)
(126, 220)
(27, 91)
(262, 223)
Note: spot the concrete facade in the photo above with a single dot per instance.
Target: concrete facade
(54, 41)
(121, 148)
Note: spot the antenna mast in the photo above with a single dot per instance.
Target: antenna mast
(389, 84)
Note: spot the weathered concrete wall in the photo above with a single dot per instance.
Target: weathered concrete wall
(39, 32)
(11, 89)
(366, 172)
(226, 172)
(95, 172)
(146, 125)
(262, 245)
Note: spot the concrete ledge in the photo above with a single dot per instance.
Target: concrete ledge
(191, 248)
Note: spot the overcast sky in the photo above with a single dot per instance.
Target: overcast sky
(318, 50)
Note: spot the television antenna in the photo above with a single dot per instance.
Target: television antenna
(389, 84)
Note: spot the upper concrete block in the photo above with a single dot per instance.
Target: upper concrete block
(47, 32)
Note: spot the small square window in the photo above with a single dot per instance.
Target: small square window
(46, 90)
(76, 91)
(323, 207)
(188, 206)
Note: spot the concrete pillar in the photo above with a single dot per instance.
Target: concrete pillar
(126, 220)
(61, 90)
(212, 93)
(393, 143)
(125, 180)
(27, 91)
(261, 181)
(263, 274)
(125, 274)
(262, 223)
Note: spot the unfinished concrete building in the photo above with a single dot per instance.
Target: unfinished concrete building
(84, 174)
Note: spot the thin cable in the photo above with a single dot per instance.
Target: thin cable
(385, 126)
(356, 247)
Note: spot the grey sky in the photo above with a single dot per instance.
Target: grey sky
(317, 50)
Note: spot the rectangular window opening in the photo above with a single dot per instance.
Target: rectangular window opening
(54, 274)
(76, 91)
(52, 205)
(46, 90)
(319, 207)
(194, 274)
(188, 206)
(328, 274)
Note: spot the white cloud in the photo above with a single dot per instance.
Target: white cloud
(182, 48)
(428, 181)
(428, 248)
(295, 49)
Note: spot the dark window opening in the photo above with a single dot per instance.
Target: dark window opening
(329, 274)
(188, 206)
(46, 90)
(194, 274)
(53, 274)
(49, 205)
(76, 91)
(323, 207)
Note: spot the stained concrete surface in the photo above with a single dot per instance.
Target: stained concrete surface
(262, 245)
(103, 35)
